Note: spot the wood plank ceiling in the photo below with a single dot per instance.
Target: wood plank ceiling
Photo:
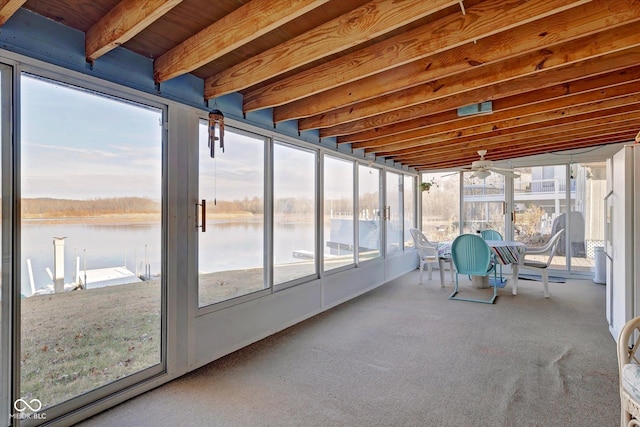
(387, 76)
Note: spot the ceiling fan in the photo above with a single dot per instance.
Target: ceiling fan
(482, 168)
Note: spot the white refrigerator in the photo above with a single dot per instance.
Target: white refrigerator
(622, 238)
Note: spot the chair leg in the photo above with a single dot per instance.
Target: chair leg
(430, 270)
(455, 289)
(421, 270)
(441, 271)
(451, 268)
(489, 301)
(545, 282)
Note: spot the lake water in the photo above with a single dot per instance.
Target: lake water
(225, 246)
(97, 245)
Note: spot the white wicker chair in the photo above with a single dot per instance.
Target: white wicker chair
(629, 373)
(428, 253)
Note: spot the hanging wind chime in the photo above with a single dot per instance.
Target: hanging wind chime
(216, 130)
(216, 133)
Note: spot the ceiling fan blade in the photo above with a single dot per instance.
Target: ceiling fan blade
(506, 172)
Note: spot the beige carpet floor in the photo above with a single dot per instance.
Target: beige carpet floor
(404, 355)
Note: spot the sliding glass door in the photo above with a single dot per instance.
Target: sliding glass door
(393, 213)
(551, 198)
(483, 203)
(369, 212)
(231, 241)
(91, 243)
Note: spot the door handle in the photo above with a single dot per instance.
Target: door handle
(203, 215)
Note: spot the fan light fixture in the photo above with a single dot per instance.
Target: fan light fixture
(481, 174)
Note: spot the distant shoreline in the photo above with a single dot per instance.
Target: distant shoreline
(96, 219)
(154, 218)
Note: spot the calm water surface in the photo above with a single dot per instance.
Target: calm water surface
(225, 246)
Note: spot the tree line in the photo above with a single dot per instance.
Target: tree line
(54, 208)
(57, 208)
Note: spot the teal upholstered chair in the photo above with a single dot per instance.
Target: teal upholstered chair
(493, 235)
(472, 256)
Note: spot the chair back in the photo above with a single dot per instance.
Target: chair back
(422, 244)
(471, 255)
(552, 245)
(491, 235)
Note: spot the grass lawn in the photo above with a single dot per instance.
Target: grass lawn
(77, 341)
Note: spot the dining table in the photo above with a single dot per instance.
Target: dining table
(506, 252)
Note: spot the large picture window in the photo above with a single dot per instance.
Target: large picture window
(394, 214)
(441, 206)
(369, 212)
(338, 213)
(294, 200)
(409, 191)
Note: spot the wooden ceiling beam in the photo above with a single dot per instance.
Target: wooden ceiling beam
(524, 150)
(496, 145)
(518, 151)
(558, 96)
(236, 29)
(594, 144)
(576, 112)
(558, 56)
(8, 8)
(575, 71)
(120, 24)
(496, 149)
(367, 22)
(560, 132)
(565, 26)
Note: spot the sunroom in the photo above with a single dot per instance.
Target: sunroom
(183, 178)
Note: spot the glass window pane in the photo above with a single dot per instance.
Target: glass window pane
(294, 228)
(588, 189)
(369, 207)
(409, 209)
(394, 213)
(441, 206)
(231, 250)
(539, 202)
(483, 203)
(91, 240)
(338, 213)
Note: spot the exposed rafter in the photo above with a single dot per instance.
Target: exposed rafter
(8, 8)
(124, 21)
(243, 25)
(369, 21)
